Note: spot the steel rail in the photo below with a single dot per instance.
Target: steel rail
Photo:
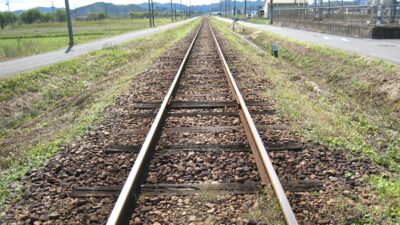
(257, 141)
(123, 208)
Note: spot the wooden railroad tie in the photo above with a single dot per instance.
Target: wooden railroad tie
(195, 189)
(204, 148)
(214, 129)
(194, 114)
(198, 104)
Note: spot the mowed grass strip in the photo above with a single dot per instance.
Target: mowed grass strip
(339, 99)
(42, 110)
(30, 39)
(259, 20)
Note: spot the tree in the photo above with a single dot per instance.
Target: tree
(92, 16)
(136, 15)
(97, 16)
(2, 20)
(61, 15)
(7, 18)
(102, 16)
(48, 17)
(31, 16)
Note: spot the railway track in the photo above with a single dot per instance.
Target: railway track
(184, 135)
(203, 87)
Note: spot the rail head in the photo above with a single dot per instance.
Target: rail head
(123, 208)
(273, 177)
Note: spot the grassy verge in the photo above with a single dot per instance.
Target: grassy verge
(339, 99)
(42, 110)
(30, 39)
(250, 20)
(258, 20)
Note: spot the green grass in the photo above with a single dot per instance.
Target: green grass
(259, 20)
(42, 110)
(250, 20)
(337, 99)
(29, 39)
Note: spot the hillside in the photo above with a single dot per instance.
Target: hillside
(108, 8)
(113, 9)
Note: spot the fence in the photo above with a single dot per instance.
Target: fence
(364, 15)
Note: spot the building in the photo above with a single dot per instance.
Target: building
(280, 3)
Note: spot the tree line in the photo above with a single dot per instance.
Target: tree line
(35, 16)
(141, 15)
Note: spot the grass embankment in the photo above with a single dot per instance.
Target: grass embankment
(256, 20)
(259, 20)
(47, 108)
(339, 99)
(30, 39)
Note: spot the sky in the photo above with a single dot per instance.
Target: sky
(27, 4)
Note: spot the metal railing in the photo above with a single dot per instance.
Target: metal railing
(364, 15)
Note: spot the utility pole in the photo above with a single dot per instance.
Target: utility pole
(245, 9)
(225, 8)
(220, 7)
(271, 14)
(187, 9)
(152, 12)
(190, 8)
(172, 12)
(52, 7)
(230, 7)
(234, 7)
(151, 24)
(329, 8)
(70, 32)
(392, 17)
(315, 8)
(181, 10)
(8, 5)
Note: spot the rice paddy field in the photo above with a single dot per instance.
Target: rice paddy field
(30, 39)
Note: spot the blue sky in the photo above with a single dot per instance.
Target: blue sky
(27, 4)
